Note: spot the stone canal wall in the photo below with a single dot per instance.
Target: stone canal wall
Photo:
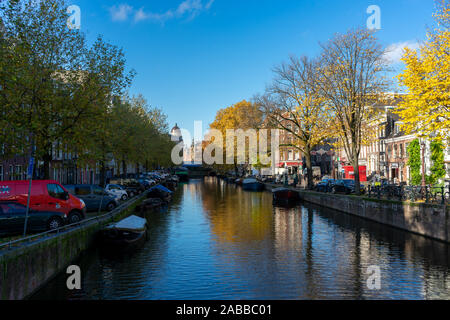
(425, 219)
(23, 270)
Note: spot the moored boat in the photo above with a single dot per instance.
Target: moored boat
(182, 173)
(126, 234)
(160, 192)
(149, 204)
(285, 195)
(252, 184)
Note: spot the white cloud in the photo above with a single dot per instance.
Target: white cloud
(395, 51)
(188, 8)
(121, 12)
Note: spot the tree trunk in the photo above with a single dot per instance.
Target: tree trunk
(124, 168)
(309, 169)
(356, 173)
(47, 158)
(102, 174)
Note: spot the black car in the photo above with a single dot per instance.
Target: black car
(132, 186)
(346, 186)
(131, 190)
(325, 185)
(135, 184)
(12, 219)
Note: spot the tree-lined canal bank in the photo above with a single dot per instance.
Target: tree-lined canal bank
(216, 241)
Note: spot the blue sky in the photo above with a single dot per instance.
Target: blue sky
(193, 57)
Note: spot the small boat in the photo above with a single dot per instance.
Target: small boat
(160, 192)
(182, 173)
(252, 184)
(170, 184)
(126, 234)
(149, 204)
(285, 195)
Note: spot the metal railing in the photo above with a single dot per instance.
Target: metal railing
(69, 227)
(428, 194)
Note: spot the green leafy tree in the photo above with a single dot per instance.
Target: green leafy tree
(414, 162)
(52, 86)
(437, 157)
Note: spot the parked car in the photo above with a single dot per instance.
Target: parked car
(46, 195)
(134, 183)
(93, 196)
(155, 177)
(346, 186)
(132, 186)
(325, 185)
(117, 191)
(147, 183)
(12, 219)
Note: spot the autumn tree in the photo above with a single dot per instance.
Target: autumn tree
(352, 81)
(242, 115)
(425, 110)
(293, 103)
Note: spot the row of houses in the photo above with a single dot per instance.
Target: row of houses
(65, 167)
(385, 157)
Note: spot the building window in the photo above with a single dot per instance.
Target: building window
(1, 173)
(396, 130)
(401, 150)
(291, 155)
(18, 173)
(11, 172)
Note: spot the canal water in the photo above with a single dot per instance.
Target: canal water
(216, 241)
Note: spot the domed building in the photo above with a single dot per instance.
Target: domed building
(176, 134)
(176, 137)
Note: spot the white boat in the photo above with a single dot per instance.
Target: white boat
(124, 234)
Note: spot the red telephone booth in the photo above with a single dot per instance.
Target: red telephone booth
(350, 173)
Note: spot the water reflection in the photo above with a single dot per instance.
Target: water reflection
(216, 241)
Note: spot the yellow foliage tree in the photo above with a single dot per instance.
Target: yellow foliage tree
(425, 110)
(242, 115)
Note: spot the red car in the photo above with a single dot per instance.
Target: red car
(46, 195)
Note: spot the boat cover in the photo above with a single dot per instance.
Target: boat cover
(132, 223)
(250, 180)
(281, 190)
(160, 187)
